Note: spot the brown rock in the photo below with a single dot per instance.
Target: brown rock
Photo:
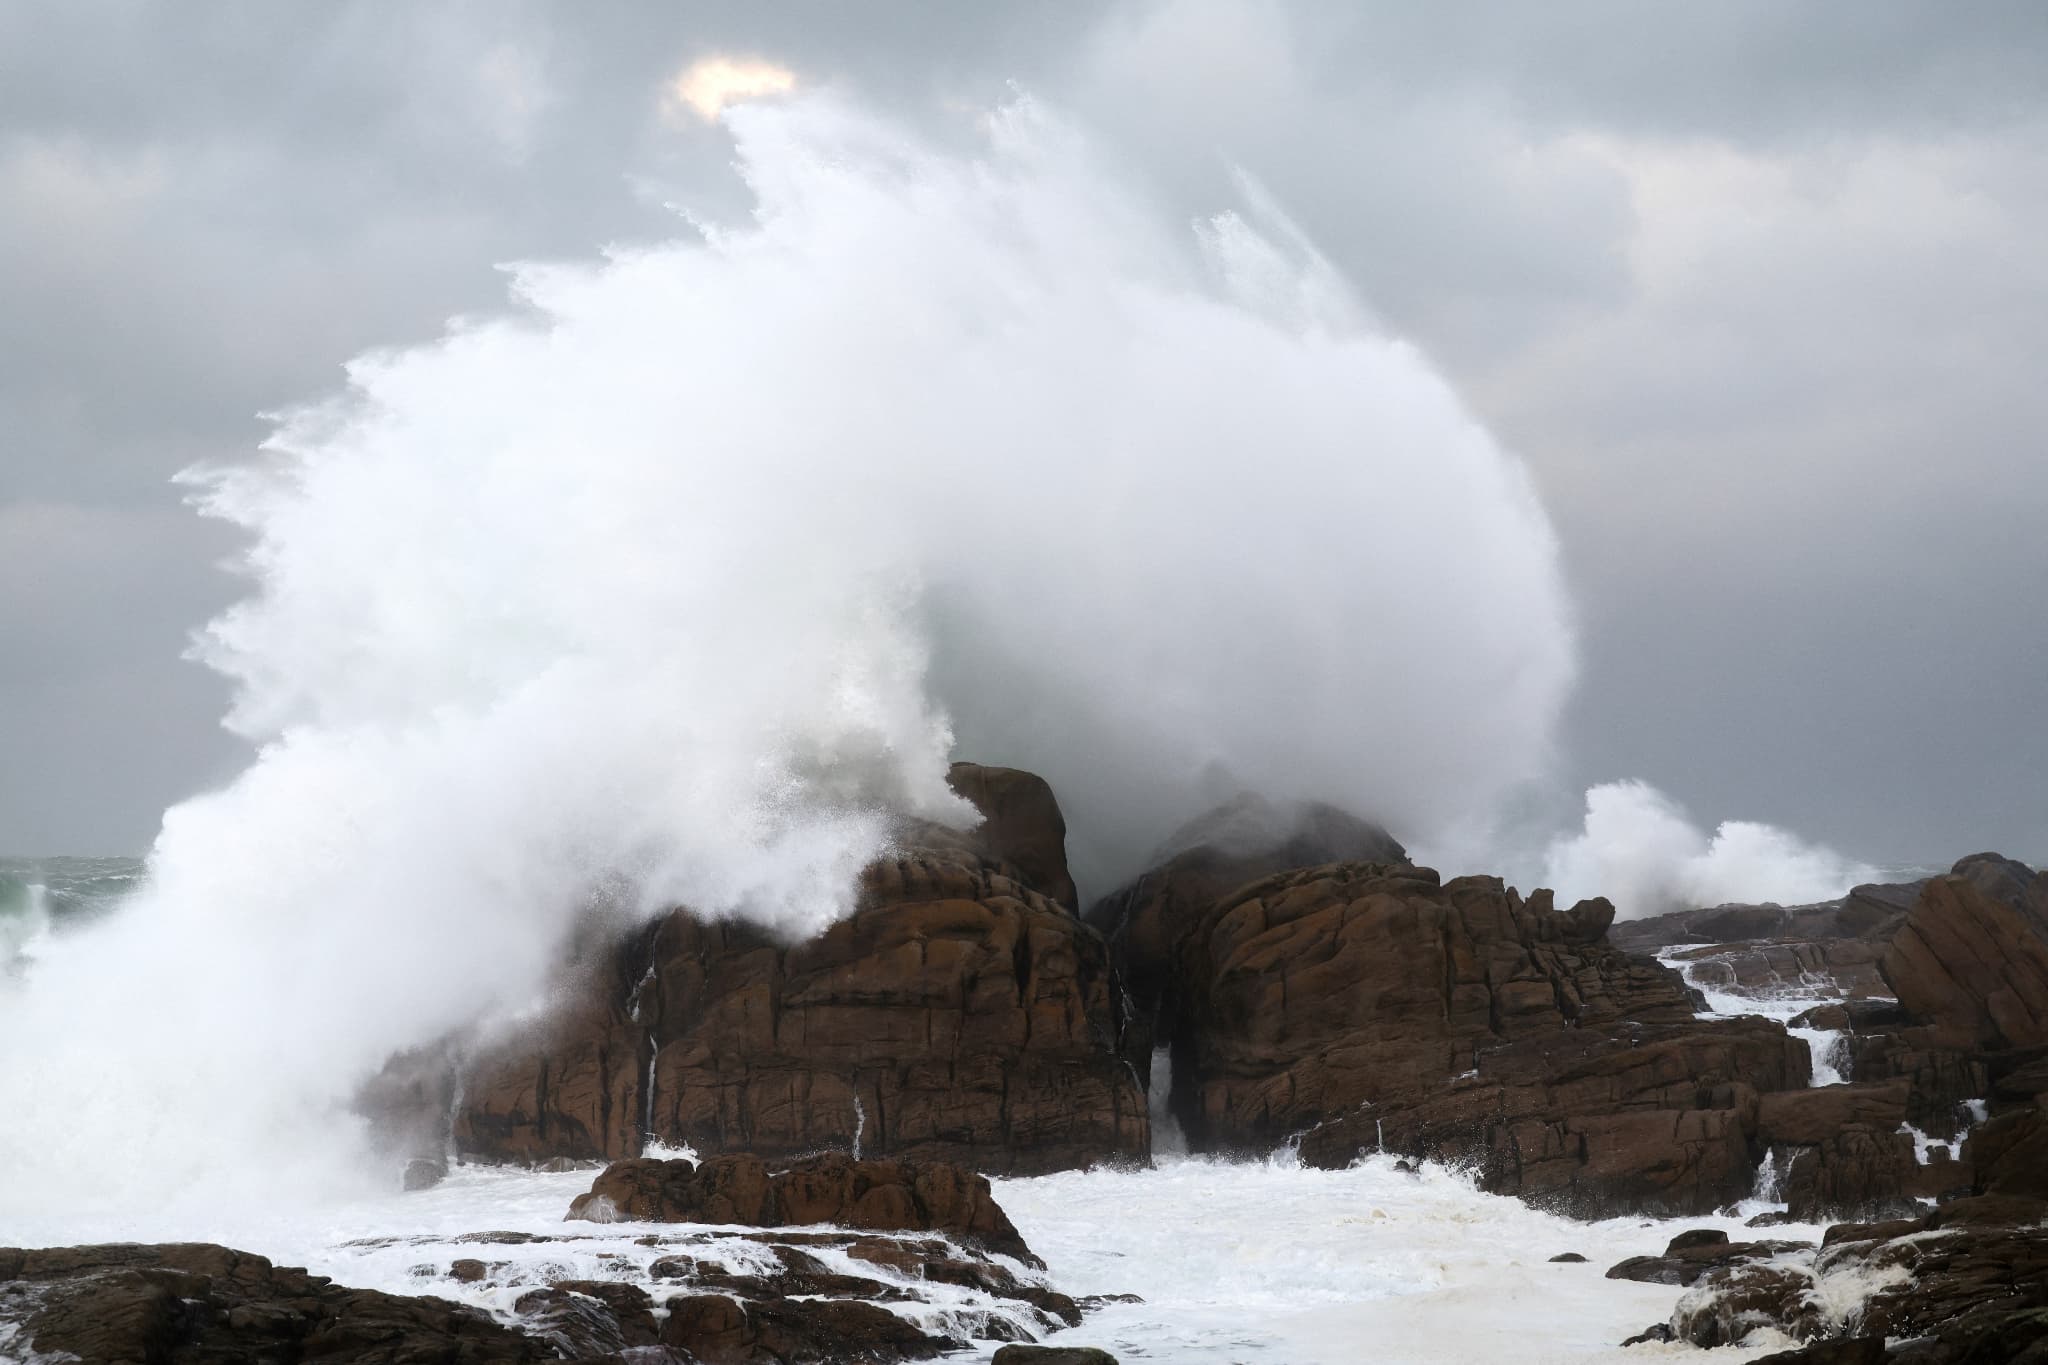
(1053, 1355)
(1373, 1007)
(1972, 956)
(2009, 1155)
(957, 1016)
(962, 1013)
(571, 1087)
(195, 1304)
(1805, 1117)
(1148, 920)
(1022, 826)
(1968, 1293)
(1731, 1302)
(1856, 1174)
(870, 1196)
(1847, 967)
(717, 1330)
(1691, 1256)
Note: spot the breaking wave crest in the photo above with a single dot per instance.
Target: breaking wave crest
(678, 581)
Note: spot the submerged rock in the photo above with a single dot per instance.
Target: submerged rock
(1691, 1256)
(1147, 921)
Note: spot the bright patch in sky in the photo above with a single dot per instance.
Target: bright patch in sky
(710, 84)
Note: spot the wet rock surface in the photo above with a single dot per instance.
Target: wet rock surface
(1691, 1256)
(872, 1195)
(192, 1302)
(1053, 1355)
(1938, 1290)
(1971, 959)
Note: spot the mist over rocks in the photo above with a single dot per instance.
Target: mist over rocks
(959, 1013)
(1309, 987)
(1147, 920)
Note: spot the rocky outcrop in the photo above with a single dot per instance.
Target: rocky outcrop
(1147, 920)
(195, 1304)
(741, 1295)
(1366, 1007)
(209, 1305)
(1805, 1117)
(1831, 948)
(1856, 1172)
(961, 1013)
(957, 1015)
(1691, 1256)
(873, 1196)
(1869, 911)
(1932, 1290)
(1021, 828)
(1971, 959)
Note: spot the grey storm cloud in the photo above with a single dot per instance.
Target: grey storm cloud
(1759, 290)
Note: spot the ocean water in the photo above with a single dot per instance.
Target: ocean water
(1262, 1263)
(42, 896)
(1232, 1263)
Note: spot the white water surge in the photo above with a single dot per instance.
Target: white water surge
(670, 586)
(1259, 1263)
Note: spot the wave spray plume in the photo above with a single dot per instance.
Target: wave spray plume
(672, 585)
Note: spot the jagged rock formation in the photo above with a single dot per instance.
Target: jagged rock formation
(962, 1013)
(873, 1196)
(1947, 1288)
(1966, 1039)
(1692, 1256)
(1364, 1006)
(742, 1298)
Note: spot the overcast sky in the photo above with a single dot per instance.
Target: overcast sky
(1760, 290)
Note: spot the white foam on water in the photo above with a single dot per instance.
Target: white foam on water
(1167, 1138)
(1828, 1048)
(1263, 1263)
(1274, 1262)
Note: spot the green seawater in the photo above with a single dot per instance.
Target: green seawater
(44, 896)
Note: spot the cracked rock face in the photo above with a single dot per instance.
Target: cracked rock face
(1366, 1006)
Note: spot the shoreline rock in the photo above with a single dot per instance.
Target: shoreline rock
(869, 1196)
